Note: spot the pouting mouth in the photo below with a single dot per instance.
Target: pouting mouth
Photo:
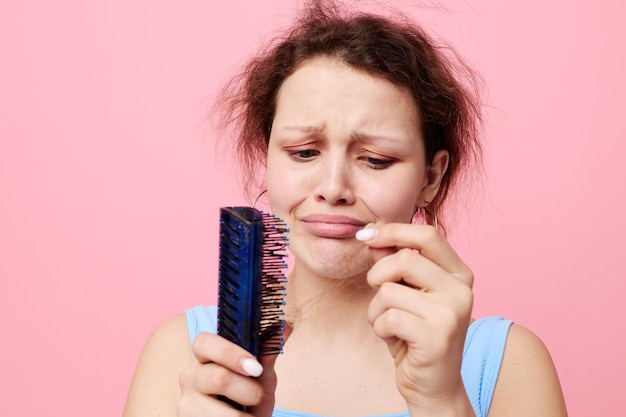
(332, 226)
(332, 219)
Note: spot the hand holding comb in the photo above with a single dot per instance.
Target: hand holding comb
(251, 287)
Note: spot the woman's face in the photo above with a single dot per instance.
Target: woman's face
(345, 150)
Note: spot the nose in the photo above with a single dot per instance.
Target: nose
(335, 185)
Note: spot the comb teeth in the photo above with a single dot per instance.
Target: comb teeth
(251, 280)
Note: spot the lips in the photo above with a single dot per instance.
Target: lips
(331, 225)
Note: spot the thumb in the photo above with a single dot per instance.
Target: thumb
(378, 252)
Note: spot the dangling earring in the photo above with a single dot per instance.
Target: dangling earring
(257, 198)
(420, 215)
(436, 222)
(416, 213)
(433, 214)
(427, 212)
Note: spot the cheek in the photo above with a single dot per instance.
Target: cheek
(395, 201)
(283, 187)
(275, 193)
(272, 176)
(394, 210)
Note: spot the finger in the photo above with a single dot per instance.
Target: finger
(216, 380)
(443, 313)
(414, 269)
(446, 312)
(209, 347)
(398, 296)
(426, 239)
(268, 380)
(395, 324)
(195, 404)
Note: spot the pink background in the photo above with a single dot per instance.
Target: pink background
(109, 190)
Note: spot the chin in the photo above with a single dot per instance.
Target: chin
(336, 259)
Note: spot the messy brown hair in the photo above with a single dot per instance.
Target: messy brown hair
(444, 88)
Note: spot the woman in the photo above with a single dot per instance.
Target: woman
(364, 127)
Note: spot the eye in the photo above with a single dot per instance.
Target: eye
(304, 154)
(377, 163)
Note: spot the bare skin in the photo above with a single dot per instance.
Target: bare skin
(378, 322)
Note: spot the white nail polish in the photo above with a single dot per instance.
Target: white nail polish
(365, 234)
(252, 367)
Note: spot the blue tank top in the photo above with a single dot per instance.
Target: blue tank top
(482, 357)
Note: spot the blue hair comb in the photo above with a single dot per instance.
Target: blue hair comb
(251, 287)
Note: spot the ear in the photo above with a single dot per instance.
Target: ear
(434, 176)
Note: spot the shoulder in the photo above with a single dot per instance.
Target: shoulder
(169, 338)
(154, 388)
(482, 356)
(527, 384)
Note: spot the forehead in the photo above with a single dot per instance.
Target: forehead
(327, 84)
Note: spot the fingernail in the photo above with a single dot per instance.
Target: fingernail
(365, 234)
(252, 367)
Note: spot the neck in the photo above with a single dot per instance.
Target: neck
(330, 308)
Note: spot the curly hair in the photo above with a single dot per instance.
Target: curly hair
(444, 88)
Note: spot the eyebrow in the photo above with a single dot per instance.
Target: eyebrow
(310, 129)
(397, 142)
